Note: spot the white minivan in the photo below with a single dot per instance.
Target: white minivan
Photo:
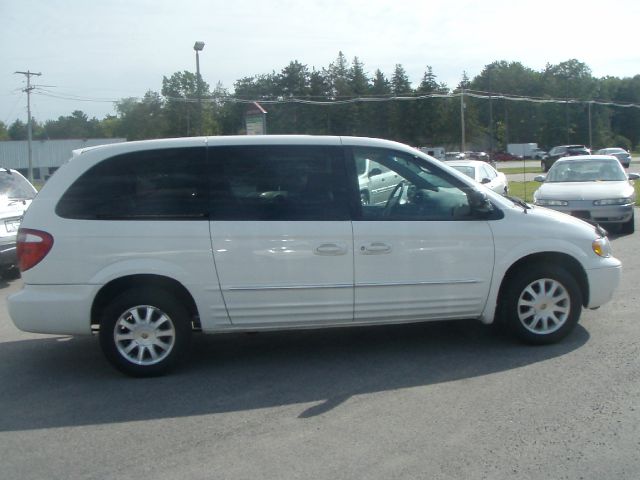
(146, 242)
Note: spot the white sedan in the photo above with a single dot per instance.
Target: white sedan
(483, 173)
(592, 187)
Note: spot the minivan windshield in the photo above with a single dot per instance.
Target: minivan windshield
(15, 187)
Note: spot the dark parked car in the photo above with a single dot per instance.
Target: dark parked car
(621, 154)
(562, 151)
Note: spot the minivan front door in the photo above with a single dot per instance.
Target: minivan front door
(281, 235)
(421, 255)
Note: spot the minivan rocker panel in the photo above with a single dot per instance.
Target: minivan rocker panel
(152, 240)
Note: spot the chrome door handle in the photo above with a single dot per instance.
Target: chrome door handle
(375, 248)
(329, 249)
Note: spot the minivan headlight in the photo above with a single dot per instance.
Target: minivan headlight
(551, 203)
(613, 201)
(601, 247)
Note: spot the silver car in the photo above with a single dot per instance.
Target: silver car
(621, 154)
(483, 173)
(16, 194)
(594, 188)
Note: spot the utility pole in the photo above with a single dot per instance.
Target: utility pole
(590, 132)
(29, 74)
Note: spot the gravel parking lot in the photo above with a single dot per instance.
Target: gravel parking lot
(440, 401)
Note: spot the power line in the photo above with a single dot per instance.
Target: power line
(328, 101)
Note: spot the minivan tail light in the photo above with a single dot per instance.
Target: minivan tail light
(31, 247)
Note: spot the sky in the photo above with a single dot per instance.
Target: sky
(94, 52)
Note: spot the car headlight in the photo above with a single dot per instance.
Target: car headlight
(551, 203)
(601, 247)
(613, 201)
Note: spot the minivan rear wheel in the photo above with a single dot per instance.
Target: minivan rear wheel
(144, 331)
(542, 304)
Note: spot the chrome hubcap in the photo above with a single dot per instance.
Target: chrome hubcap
(144, 335)
(544, 306)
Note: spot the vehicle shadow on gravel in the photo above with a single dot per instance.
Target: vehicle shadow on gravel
(62, 382)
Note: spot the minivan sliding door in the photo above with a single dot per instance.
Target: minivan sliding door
(281, 234)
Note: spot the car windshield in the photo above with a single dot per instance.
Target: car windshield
(15, 186)
(586, 171)
(468, 171)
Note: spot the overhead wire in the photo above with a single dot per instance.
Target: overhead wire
(328, 101)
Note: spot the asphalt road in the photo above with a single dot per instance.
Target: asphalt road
(435, 401)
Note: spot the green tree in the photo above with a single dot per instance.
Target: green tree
(518, 122)
(359, 86)
(18, 130)
(76, 125)
(4, 132)
(430, 112)
(292, 82)
(340, 117)
(142, 119)
(402, 113)
(180, 92)
(380, 111)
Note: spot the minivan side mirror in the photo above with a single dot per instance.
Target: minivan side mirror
(633, 176)
(540, 178)
(479, 202)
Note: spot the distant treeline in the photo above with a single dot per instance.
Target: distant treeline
(306, 100)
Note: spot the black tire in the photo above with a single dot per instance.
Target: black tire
(541, 305)
(364, 198)
(10, 273)
(160, 328)
(630, 225)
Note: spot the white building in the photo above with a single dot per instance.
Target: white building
(46, 155)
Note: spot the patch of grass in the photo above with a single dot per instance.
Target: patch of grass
(516, 170)
(523, 190)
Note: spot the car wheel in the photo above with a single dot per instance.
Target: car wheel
(144, 331)
(630, 225)
(364, 198)
(543, 166)
(10, 273)
(542, 304)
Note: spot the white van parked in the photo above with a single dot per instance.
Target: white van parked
(146, 242)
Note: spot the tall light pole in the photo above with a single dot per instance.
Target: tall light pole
(463, 145)
(198, 46)
(29, 74)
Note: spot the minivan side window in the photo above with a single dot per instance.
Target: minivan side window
(277, 182)
(163, 184)
(415, 191)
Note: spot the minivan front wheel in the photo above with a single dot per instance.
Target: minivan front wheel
(143, 332)
(542, 305)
